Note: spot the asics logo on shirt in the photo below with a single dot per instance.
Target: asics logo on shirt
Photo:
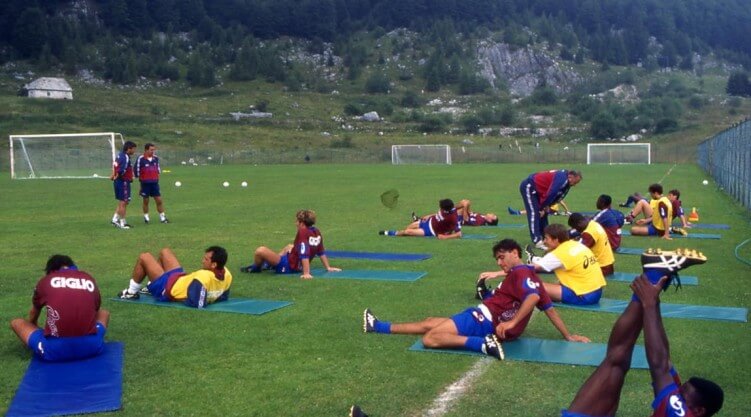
(73, 283)
(589, 260)
(314, 240)
(677, 405)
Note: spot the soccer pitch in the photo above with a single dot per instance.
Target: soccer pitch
(311, 358)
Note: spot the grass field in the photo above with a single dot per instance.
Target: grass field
(312, 359)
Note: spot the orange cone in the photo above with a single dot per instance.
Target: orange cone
(694, 216)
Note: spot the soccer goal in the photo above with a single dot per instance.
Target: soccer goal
(619, 153)
(420, 154)
(68, 155)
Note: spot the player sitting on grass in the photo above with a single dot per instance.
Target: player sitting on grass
(502, 316)
(169, 282)
(600, 394)
(295, 257)
(75, 325)
(442, 225)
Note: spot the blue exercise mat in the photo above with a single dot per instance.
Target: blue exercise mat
(479, 237)
(528, 349)
(369, 275)
(677, 311)
(690, 235)
(706, 226)
(378, 256)
(233, 305)
(629, 276)
(92, 385)
(511, 226)
(629, 251)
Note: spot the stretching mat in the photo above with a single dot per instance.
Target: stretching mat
(370, 275)
(629, 251)
(677, 311)
(529, 349)
(92, 385)
(378, 256)
(511, 226)
(690, 235)
(479, 237)
(707, 226)
(233, 305)
(629, 276)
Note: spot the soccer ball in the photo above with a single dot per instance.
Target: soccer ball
(705, 182)
(225, 184)
(178, 183)
(244, 184)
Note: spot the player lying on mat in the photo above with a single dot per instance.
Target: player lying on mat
(442, 225)
(295, 257)
(502, 316)
(467, 217)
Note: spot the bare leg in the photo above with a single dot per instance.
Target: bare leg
(411, 232)
(145, 205)
(265, 254)
(121, 208)
(23, 329)
(418, 327)
(146, 266)
(159, 204)
(639, 231)
(103, 316)
(642, 207)
(168, 260)
(555, 291)
(601, 393)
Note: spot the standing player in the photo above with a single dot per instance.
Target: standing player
(147, 171)
(610, 220)
(501, 316)
(600, 394)
(540, 191)
(594, 236)
(442, 225)
(122, 176)
(76, 324)
(294, 258)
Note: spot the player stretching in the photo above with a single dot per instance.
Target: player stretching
(540, 191)
(442, 225)
(122, 176)
(147, 171)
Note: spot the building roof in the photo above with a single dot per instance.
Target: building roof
(50, 84)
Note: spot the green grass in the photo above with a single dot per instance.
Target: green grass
(311, 358)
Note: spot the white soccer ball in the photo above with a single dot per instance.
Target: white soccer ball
(705, 182)
(95, 175)
(225, 184)
(178, 183)
(244, 184)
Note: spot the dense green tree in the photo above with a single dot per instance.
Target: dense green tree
(30, 32)
(738, 84)
(378, 83)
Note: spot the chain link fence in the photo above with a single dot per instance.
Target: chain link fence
(726, 156)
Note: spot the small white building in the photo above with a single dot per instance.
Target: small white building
(47, 87)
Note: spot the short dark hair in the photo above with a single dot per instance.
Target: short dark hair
(218, 255)
(58, 262)
(710, 395)
(507, 245)
(147, 146)
(577, 221)
(492, 222)
(557, 231)
(603, 201)
(675, 192)
(446, 204)
(574, 172)
(128, 145)
(655, 188)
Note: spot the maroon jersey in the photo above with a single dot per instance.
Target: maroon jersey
(148, 169)
(308, 244)
(72, 299)
(444, 222)
(474, 219)
(677, 208)
(506, 300)
(669, 402)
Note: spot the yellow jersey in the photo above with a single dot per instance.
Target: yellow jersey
(215, 287)
(656, 215)
(580, 273)
(602, 250)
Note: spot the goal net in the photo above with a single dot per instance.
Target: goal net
(619, 153)
(420, 154)
(69, 155)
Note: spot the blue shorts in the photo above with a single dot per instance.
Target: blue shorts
(58, 349)
(122, 190)
(566, 413)
(570, 297)
(283, 266)
(425, 226)
(150, 189)
(157, 286)
(471, 322)
(653, 231)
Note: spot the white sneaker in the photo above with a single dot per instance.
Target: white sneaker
(541, 245)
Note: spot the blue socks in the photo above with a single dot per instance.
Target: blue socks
(391, 233)
(382, 326)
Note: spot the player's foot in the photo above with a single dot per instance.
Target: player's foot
(355, 411)
(628, 220)
(115, 223)
(145, 290)
(124, 226)
(541, 245)
(250, 269)
(671, 261)
(679, 231)
(513, 212)
(127, 295)
(164, 220)
(623, 205)
(480, 289)
(369, 321)
(383, 232)
(529, 251)
(414, 217)
(145, 220)
(492, 347)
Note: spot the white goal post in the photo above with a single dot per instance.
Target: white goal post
(619, 153)
(420, 154)
(63, 155)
